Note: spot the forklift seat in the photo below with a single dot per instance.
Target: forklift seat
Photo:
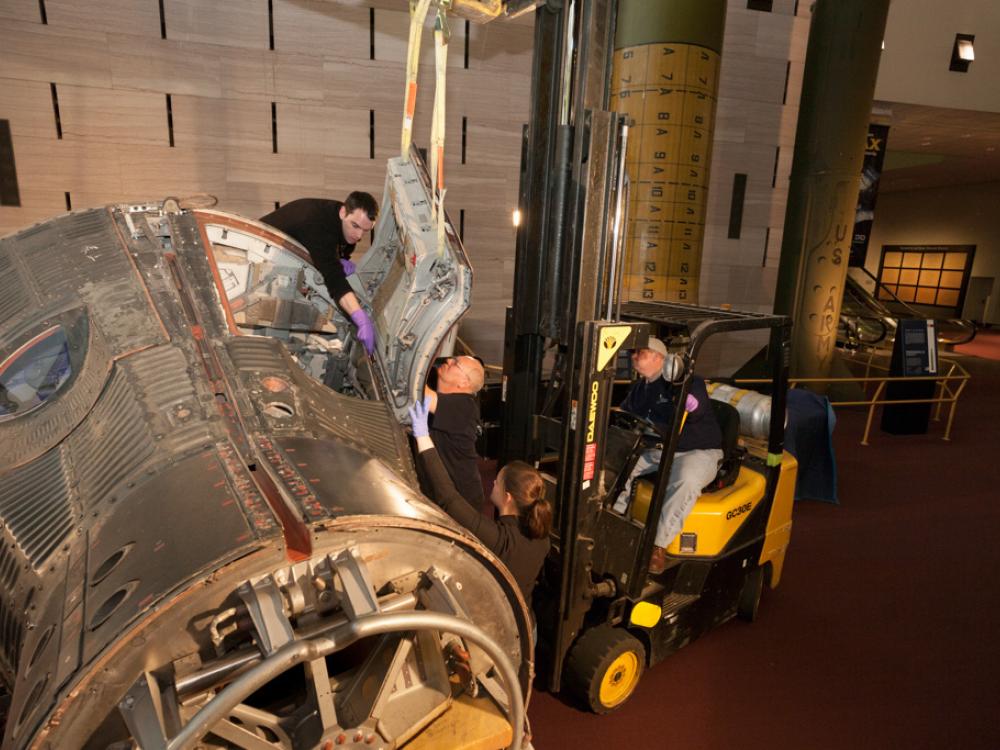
(732, 455)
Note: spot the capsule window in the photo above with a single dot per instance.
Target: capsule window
(36, 372)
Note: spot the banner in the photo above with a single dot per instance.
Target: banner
(871, 171)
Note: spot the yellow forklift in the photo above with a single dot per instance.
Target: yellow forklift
(601, 618)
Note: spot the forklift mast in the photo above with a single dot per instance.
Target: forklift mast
(566, 316)
(572, 166)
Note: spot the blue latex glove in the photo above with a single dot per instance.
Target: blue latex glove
(418, 418)
(348, 267)
(366, 331)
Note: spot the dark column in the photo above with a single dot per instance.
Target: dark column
(845, 41)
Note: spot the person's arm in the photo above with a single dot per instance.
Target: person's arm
(349, 303)
(443, 489)
(456, 506)
(336, 284)
(431, 399)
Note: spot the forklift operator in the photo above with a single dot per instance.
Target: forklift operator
(699, 448)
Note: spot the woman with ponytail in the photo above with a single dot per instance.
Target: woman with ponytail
(519, 536)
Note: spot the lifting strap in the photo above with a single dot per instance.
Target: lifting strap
(442, 34)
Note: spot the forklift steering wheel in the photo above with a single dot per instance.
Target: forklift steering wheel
(646, 428)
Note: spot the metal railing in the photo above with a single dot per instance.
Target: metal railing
(951, 382)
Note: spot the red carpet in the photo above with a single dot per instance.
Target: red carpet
(985, 345)
(882, 633)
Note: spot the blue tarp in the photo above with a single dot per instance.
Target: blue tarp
(809, 437)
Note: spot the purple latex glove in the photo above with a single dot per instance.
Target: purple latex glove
(691, 404)
(348, 267)
(418, 418)
(366, 331)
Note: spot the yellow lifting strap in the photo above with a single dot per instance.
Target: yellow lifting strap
(442, 33)
(418, 12)
(441, 37)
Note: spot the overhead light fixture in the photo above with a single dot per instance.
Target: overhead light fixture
(962, 53)
(516, 218)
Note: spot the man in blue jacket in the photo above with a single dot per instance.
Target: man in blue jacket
(699, 448)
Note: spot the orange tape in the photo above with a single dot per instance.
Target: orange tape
(411, 99)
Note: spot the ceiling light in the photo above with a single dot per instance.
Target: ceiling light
(516, 218)
(962, 53)
(965, 50)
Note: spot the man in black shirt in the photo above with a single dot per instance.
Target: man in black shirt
(455, 424)
(699, 447)
(329, 230)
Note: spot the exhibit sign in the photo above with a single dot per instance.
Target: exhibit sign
(914, 355)
(931, 275)
(871, 172)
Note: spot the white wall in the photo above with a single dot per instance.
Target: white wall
(918, 41)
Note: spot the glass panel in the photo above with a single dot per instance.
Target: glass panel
(930, 278)
(906, 293)
(955, 260)
(884, 293)
(908, 277)
(933, 260)
(912, 260)
(893, 260)
(926, 295)
(952, 279)
(948, 297)
(34, 373)
(890, 275)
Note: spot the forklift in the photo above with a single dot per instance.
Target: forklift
(601, 618)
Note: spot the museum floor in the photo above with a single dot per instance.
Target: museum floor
(883, 632)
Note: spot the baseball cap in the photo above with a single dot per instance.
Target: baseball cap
(657, 346)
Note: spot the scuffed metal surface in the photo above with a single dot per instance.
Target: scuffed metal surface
(178, 451)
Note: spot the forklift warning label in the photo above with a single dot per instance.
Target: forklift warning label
(589, 459)
(590, 450)
(612, 337)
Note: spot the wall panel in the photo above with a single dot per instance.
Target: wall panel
(232, 23)
(139, 17)
(33, 52)
(98, 115)
(755, 132)
(20, 10)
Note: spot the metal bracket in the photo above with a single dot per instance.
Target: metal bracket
(140, 708)
(358, 595)
(266, 608)
(438, 596)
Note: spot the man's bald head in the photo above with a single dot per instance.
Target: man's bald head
(463, 374)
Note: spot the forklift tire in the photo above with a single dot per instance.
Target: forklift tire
(749, 601)
(604, 667)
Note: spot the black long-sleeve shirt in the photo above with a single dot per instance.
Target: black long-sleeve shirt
(316, 224)
(454, 430)
(522, 555)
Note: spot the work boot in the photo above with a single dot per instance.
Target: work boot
(657, 561)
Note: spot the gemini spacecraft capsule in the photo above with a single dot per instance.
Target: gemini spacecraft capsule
(211, 529)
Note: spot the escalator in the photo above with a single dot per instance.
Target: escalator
(870, 311)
